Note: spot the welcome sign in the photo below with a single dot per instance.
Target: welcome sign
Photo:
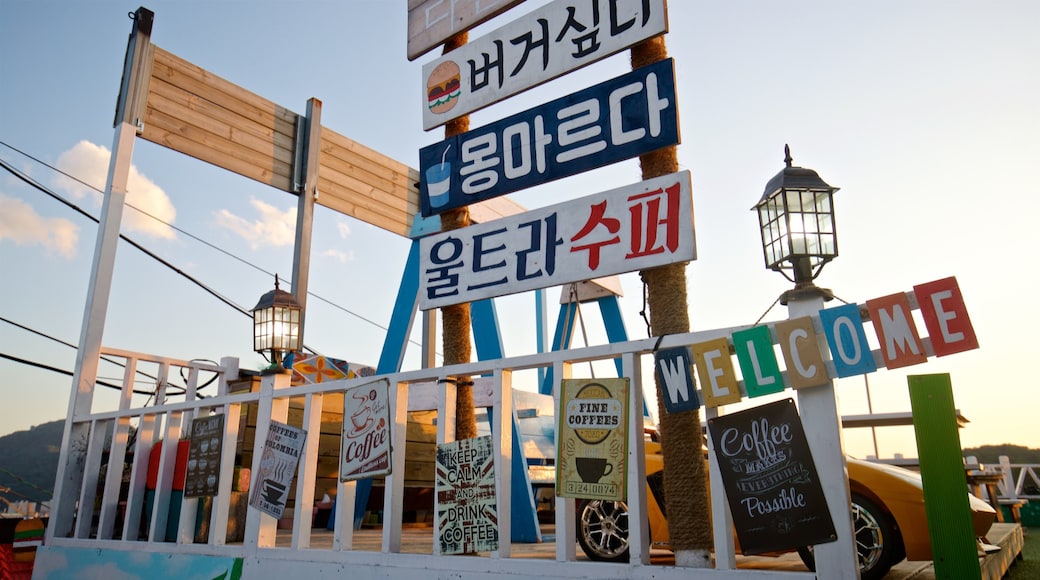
(941, 306)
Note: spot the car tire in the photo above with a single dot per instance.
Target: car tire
(603, 530)
(877, 540)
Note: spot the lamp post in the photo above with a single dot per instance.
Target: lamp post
(796, 220)
(276, 325)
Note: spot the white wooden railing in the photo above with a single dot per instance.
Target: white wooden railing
(110, 507)
(1014, 487)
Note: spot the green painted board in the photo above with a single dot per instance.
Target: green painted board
(946, 506)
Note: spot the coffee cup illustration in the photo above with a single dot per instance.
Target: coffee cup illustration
(273, 491)
(592, 469)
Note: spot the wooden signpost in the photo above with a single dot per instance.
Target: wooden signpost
(634, 227)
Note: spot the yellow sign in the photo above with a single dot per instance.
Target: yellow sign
(593, 446)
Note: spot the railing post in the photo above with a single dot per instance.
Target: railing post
(1007, 480)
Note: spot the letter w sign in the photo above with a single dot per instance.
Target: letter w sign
(674, 373)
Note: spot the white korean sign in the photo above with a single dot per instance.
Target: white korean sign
(544, 44)
(639, 226)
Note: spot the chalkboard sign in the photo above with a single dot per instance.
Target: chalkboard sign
(771, 484)
(204, 450)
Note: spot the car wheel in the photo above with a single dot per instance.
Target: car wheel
(877, 540)
(603, 530)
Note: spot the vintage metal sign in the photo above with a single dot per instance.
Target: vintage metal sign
(204, 447)
(544, 44)
(771, 483)
(591, 456)
(431, 22)
(619, 119)
(645, 225)
(281, 454)
(467, 510)
(366, 431)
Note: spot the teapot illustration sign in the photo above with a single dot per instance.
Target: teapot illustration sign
(366, 435)
(591, 456)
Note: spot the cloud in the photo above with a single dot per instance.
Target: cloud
(344, 229)
(89, 163)
(20, 223)
(339, 255)
(274, 228)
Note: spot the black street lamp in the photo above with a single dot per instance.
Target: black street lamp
(796, 218)
(276, 324)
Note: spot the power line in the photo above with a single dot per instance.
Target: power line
(42, 188)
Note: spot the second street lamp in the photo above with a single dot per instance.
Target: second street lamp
(276, 325)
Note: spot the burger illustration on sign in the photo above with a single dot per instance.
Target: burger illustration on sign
(443, 87)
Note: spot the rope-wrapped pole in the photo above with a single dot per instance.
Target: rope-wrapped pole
(456, 318)
(685, 481)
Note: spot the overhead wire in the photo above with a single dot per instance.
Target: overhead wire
(33, 183)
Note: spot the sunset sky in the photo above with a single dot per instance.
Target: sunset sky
(923, 113)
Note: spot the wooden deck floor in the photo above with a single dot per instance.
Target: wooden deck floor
(418, 539)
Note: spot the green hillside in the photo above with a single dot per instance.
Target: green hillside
(29, 461)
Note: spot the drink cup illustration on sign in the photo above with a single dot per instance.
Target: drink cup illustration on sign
(438, 181)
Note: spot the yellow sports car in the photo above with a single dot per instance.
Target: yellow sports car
(887, 509)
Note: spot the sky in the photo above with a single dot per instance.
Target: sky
(923, 113)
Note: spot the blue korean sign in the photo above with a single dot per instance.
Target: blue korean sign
(619, 119)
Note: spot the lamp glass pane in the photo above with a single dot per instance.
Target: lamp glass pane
(826, 223)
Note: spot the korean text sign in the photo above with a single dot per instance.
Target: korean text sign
(618, 119)
(591, 456)
(640, 226)
(542, 45)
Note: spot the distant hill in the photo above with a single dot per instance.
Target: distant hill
(990, 454)
(29, 461)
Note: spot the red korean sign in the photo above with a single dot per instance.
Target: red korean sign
(631, 228)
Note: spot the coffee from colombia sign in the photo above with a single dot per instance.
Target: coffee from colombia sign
(542, 45)
(941, 307)
(615, 120)
(639, 226)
